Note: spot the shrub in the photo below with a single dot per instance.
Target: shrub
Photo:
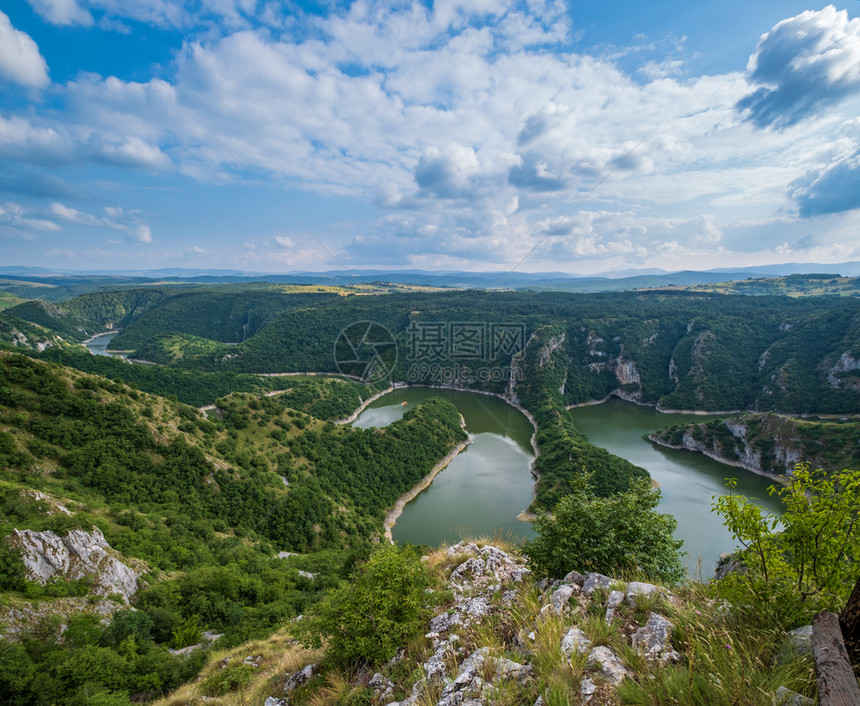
(617, 535)
(381, 608)
(805, 560)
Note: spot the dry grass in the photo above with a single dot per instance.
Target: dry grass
(280, 656)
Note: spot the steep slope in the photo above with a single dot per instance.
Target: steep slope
(770, 444)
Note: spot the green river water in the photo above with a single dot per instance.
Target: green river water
(485, 487)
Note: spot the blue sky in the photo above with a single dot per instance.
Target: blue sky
(272, 136)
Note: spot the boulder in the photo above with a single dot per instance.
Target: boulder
(616, 598)
(587, 688)
(607, 663)
(653, 640)
(560, 598)
(383, 688)
(787, 697)
(635, 589)
(574, 640)
(593, 581)
(296, 679)
(574, 578)
(800, 640)
(469, 687)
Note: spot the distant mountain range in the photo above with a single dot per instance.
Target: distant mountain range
(561, 281)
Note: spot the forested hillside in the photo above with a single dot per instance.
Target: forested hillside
(206, 504)
(678, 350)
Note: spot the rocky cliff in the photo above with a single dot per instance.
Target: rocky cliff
(76, 555)
(769, 444)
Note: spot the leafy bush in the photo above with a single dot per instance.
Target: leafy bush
(367, 619)
(804, 561)
(619, 535)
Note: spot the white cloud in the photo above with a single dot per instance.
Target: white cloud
(20, 60)
(140, 233)
(62, 12)
(14, 217)
(804, 64)
(470, 126)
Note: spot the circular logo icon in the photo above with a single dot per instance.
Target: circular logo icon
(365, 350)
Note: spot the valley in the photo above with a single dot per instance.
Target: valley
(241, 518)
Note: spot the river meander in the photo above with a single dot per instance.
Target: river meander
(483, 490)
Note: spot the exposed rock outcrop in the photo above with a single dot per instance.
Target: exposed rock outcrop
(76, 555)
(836, 376)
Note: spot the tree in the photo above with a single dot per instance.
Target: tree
(617, 535)
(808, 555)
(368, 618)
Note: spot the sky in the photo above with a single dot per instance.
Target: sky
(485, 135)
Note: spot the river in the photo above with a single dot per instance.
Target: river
(688, 481)
(485, 487)
(98, 345)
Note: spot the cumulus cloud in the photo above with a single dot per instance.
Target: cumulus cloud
(804, 64)
(832, 188)
(469, 126)
(20, 60)
(140, 233)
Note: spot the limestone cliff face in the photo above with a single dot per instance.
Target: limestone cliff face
(768, 444)
(628, 378)
(846, 364)
(76, 555)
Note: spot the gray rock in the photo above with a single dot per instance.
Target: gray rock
(383, 688)
(296, 679)
(539, 701)
(728, 564)
(787, 697)
(477, 607)
(76, 555)
(469, 569)
(520, 575)
(468, 684)
(560, 598)
(616, 598)
(469, 687)
(463, 548)
(574, 640)
(574, 578)
(436, 668)
(586, 690)
(607, 663)
(800, 640)
(272, 701)
(635, 588)
(653, 640)
(593, 581)
(52, 506)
